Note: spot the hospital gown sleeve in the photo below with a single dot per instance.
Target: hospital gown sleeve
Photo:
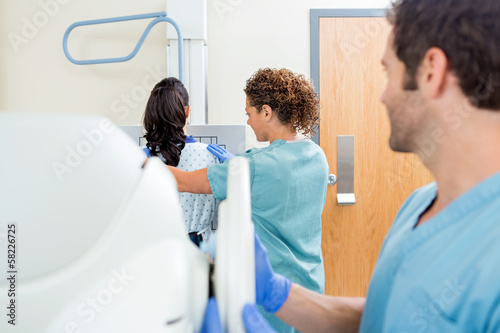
(217, 177)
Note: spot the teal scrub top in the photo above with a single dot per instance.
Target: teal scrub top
(443, 275)
(288, 181)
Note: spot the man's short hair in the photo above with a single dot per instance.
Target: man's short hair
(467, 31)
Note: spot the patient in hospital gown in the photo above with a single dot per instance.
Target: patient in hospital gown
(165, 121)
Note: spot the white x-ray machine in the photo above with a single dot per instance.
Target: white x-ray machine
(93, 240)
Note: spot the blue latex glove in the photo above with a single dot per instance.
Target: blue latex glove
(147, 152)
(208, 246)
(211, 321)
(220, 152)
(254, 321)
(271, 292)
(271, 289)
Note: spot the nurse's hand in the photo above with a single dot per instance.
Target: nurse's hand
(271, 289)
(220, 152)
(254, 321)
(211, 321)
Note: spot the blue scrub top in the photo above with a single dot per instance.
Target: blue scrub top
(288, 181)
(444, 275)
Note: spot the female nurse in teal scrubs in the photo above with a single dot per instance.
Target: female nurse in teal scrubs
(288, 178)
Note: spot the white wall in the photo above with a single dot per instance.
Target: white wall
(37, 76)
(243, 35)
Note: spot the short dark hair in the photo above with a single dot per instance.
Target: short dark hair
(291, 97)
(467, 31)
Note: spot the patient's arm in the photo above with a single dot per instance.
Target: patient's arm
(191, 181)
(312, 312)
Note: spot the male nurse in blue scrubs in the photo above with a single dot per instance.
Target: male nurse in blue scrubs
(439, 267)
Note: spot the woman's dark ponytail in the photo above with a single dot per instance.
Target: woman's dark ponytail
(165, 118)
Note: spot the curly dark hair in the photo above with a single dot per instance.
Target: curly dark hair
(165, 118)
(467, 32)
(291, 97)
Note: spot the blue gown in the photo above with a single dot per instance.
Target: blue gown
(443, 275)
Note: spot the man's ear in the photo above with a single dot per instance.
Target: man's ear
(433, 72)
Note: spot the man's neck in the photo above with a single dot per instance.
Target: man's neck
(467, 157)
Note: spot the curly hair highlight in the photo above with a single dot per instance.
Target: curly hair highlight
(291, 97)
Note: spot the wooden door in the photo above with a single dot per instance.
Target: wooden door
(351, 82)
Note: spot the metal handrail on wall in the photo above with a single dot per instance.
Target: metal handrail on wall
(159, 17)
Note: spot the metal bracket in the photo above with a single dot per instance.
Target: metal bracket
(158, 17)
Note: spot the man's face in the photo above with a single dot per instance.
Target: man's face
(406, 109)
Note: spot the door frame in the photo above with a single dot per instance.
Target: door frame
(315, 16)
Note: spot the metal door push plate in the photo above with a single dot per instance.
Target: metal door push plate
(345, 170)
